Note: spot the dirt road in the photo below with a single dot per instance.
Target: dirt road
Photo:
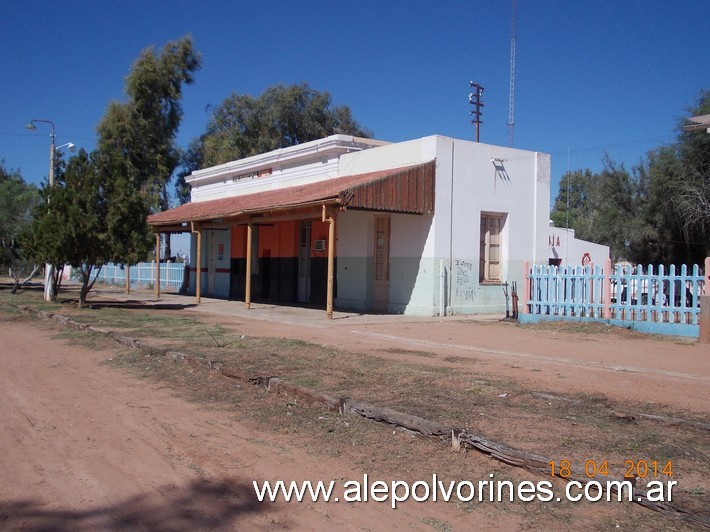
(87, 447)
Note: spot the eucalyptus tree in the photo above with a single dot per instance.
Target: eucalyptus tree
(283, 115)
(138, 135)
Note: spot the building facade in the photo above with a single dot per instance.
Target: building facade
(431, 226)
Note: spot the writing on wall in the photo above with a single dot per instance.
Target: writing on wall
(464, 287)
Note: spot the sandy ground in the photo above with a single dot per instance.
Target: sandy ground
(623, 365)
(87, 447)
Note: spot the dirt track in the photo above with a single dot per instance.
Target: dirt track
(86, 447)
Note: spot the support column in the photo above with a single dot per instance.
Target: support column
(331, 257)
(247, 288)
(128, 278)
(198, 276)
(157, 264)
(704, 318)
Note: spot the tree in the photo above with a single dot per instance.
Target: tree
(17, 199)
(605, 208)
(139, 135)
(575, 201)
(91, 216)
(191, 160)
(680, 190)
(69, 226)
(282, 116)
(691, 201)
(659, 213)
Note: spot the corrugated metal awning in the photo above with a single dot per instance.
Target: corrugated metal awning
(408, 189)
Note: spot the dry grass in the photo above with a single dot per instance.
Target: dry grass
(576, 428)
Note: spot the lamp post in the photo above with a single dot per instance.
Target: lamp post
(49, 268)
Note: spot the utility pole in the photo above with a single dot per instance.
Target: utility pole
(474, 98)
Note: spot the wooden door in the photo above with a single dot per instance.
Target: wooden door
(382, 263)
(304, 262)
(211, 262)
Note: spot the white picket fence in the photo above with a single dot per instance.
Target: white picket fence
(143, 274)
(660, 300)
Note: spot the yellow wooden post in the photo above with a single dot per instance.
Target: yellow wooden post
(198, 277)
(128, 278)
(331, 257)
(157, 264)
(247, 288)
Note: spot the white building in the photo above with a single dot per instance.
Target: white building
(430, 226)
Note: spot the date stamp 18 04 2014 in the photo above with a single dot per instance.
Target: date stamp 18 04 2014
(632, 469)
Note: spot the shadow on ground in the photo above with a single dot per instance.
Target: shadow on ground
(200, 505)
(137, 305)
(31, 287)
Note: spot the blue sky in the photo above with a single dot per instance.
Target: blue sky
(592, 76)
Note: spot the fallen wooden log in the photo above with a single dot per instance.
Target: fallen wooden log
(306, 394)
(393, 417)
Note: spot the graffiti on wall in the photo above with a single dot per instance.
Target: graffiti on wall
(464, 280)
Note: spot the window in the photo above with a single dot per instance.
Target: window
(491, 240)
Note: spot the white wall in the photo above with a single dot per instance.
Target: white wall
(210, 259)
(294, 165)
(318, 170)
(467, 183)
(561, 243)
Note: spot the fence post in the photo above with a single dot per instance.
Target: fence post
(704, 318)
(606, 289)
(526, 287)
(704, 321)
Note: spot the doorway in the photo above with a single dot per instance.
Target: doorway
(382, 263)
(304, 261)
(211, 262)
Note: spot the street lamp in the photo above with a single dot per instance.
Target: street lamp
(49, 268)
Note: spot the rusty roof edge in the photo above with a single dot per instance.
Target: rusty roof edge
(334, 198)
(329, 200)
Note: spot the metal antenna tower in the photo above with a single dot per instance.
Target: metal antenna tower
(511, 102)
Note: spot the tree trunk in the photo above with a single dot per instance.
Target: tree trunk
(57, 280)
(85, 278)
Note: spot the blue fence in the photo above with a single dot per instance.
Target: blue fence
(143, 274)
(656, 301)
